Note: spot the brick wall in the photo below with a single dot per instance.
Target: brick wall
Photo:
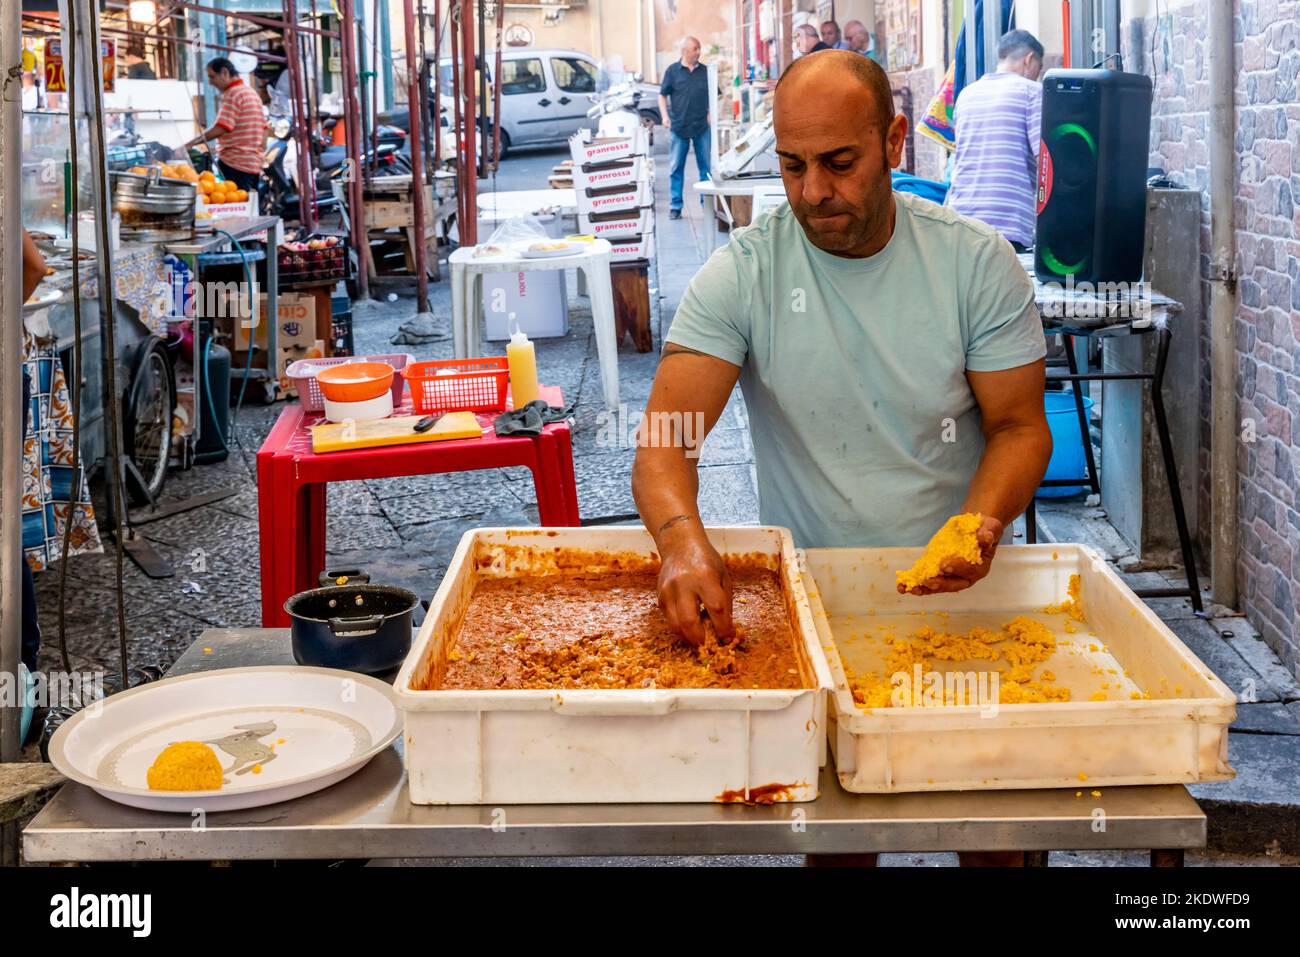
(1173, 50)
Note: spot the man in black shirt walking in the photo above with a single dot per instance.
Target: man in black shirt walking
(684, 109)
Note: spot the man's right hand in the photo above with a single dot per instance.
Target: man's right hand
(668, 125)
(692, 575)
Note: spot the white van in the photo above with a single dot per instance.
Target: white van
(545, 94)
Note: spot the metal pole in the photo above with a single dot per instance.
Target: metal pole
(457, 120)
(496, 87)
(428, 117)
(306, 180)
(352, 128)
(992, 33)
(1066, 33)
(480, 89)
(11, 390)
(373, 89)
(1111, 21)
(413, 100)
(437, 84)
(88, 80)
(290, 15)
(469, 180)
(1223, 288)
(386, 44)
(972, 74)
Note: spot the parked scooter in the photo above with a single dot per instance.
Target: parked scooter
(619, 110)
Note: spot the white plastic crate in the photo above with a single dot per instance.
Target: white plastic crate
(594, 151)
(622, 200)
(625, 173)
(638, 247)
(1178, 735)
(622, 226)
(623, 745)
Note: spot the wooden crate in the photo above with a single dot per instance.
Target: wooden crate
(395, 210)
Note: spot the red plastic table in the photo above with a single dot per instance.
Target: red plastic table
(291, 482)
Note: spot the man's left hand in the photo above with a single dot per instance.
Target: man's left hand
(959, 574)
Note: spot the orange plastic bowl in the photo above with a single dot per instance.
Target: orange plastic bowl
(355, 381)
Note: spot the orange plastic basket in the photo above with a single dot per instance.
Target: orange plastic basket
(459, 385)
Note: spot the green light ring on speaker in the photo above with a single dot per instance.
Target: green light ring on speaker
(1058, 267)
(1059, 132)
(1066, 129)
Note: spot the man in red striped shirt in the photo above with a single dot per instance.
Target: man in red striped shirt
(240, 127)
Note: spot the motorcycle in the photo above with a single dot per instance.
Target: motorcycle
(279, 170)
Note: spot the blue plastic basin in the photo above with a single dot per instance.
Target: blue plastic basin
(1068, 460)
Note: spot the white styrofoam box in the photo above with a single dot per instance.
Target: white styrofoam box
(537, 299)
(637, 247)
(626, 173)
(634, 197)
(621, 227)
(213, 213)
(600, 150)
(245, 210)
(622, 745)
(1177, 735)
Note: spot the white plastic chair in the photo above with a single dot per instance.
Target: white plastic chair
(593, 262)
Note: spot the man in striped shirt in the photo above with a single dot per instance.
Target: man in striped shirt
(240, 127)
(996, 121)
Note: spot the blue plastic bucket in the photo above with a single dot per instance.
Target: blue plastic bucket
(1068, 459)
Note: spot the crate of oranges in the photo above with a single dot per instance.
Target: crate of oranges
(215, 193)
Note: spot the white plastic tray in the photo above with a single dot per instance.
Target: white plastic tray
(595, 746)
(1178, 735)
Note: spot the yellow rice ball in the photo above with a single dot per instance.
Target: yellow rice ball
(185, 766)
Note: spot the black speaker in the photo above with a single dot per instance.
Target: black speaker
(1092, 164)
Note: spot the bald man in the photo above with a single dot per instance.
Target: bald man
(858, 39)
(684, 112)
(889, 351)
(808, 40)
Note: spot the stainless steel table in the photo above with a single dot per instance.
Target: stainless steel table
(369, 816)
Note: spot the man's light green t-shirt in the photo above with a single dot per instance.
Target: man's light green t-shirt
(865, 429)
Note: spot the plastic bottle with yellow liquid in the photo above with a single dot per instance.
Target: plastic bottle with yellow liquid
(522, 360)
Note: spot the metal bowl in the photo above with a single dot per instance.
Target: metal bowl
(150, 193)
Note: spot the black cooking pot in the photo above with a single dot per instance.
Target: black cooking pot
(355, 626)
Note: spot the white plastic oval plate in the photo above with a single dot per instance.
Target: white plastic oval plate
(569, 249)
(279, 733)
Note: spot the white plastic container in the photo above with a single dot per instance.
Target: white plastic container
(1178, 735)
(584, 746)
(365, 410)
(621, 227)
